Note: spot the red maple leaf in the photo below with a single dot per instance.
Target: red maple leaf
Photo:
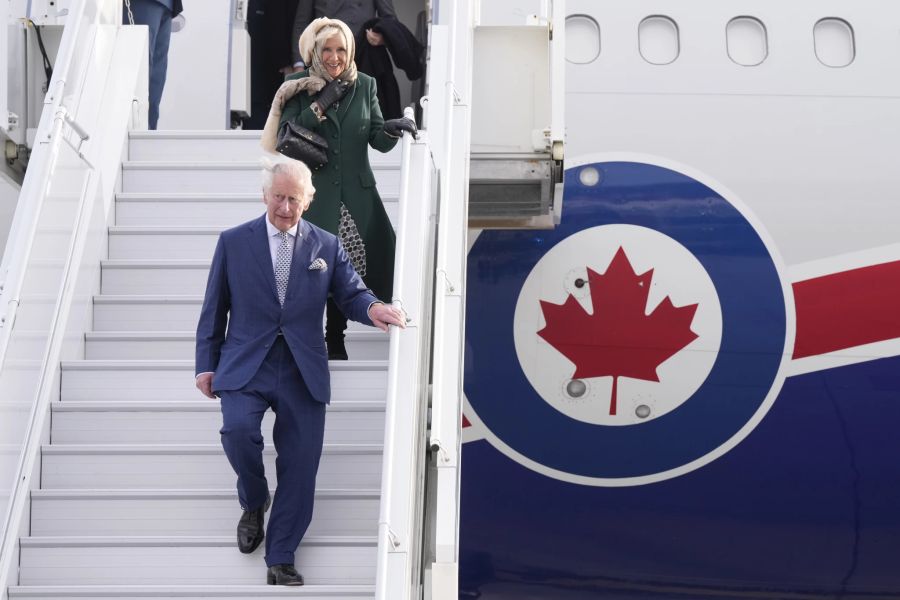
(618, 339)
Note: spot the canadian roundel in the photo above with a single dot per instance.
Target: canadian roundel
(638, 340)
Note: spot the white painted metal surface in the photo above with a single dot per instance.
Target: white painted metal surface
(451, 80)
(400, 525)
(217, 177)
(146, 380)
(45, 291)
(197, 91)
(656, 110)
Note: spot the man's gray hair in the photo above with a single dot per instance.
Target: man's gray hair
(295, 169)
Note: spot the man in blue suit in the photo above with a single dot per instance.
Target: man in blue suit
(260, 345)
(157, 15)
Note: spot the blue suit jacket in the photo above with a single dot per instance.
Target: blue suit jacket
(241, 295)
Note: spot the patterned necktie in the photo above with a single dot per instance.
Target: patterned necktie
(283, 265)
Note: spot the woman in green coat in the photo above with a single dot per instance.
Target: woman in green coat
(338, 103)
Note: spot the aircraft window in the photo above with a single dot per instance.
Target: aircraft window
(748, 43)
(582, 39)
(835, 43)
(658, 40)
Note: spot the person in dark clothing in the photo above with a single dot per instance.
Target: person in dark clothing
(395, 45)
(270, 25)
(354, 14)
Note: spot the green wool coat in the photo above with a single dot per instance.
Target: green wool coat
(350, 130)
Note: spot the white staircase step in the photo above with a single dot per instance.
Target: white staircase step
(195, 466)
(146, 312)
(192, 592)
(214, 177)
(184, 513)
(154, 276)
(156, 313)
(107, 345)
(186, 560)
(194, 145)
(173, 380)
(194, 423)
(202, 210)
(163, 242)
(214, 145)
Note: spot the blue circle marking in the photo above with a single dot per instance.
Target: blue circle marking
(753, 327)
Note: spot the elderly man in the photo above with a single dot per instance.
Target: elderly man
(260, 345)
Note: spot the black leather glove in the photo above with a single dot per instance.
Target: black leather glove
(333, 91)
(395, 127)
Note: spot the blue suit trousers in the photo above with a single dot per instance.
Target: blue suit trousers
(298, 435)
(159, 19)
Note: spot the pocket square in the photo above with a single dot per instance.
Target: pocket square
(318, 265)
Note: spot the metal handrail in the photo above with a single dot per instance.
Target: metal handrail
(402, 488)
(56, 121)
(452, 82)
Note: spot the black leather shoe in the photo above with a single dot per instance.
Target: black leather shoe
(336, 349)
(251, 529)
(283, 575)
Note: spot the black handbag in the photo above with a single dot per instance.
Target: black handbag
(299, 143)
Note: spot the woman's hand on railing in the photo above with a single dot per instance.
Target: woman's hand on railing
(395, 127)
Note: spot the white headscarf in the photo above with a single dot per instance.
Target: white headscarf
(311, 42)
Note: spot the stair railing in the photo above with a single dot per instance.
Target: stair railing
(451, 83)
(398, 574)
(50, 267)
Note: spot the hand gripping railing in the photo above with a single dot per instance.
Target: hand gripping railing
(398, 572)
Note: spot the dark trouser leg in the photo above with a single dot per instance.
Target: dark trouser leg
(242, 413)
(335, 325)
(298, 434)
(265, 78)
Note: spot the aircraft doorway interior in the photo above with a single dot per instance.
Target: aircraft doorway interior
(211, 64)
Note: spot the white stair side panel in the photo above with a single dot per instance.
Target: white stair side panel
(219, 177)
(203, 210)
(190, 467)
(194, 423)
(192, 592)
(215, 145)
(181, 513)
(157, 313)
(361, 345)
(154, 276)
(103, 561)
(139, 381)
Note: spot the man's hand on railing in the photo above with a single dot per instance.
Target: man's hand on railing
(383, 315)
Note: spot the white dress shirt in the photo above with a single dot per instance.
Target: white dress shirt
(275, 239)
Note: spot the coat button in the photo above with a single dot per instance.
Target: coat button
(336, 151)
(334, 182)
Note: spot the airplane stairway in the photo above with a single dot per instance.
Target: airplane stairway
(136, 497)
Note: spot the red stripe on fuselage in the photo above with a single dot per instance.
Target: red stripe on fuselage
(847, 309)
